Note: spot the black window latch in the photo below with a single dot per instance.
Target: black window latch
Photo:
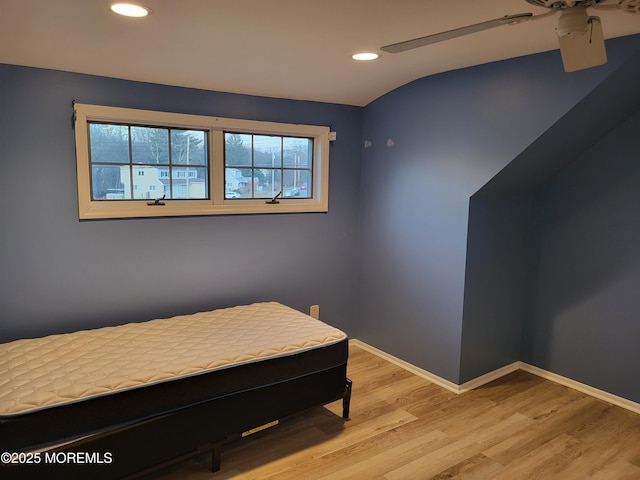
(157, 201)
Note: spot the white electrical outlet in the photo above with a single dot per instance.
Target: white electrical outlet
(314, 311)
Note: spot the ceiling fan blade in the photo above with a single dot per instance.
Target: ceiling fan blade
(585, 51)
(456, 32)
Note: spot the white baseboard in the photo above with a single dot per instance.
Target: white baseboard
(581, 387)
(489, 377)
(407, 366)
(494, 375)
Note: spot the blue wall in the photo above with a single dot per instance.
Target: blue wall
(500, 228)
(582, 317)
(433, 144)
(60, 274)
(495, 282)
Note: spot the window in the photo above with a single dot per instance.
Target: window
(121, 154)
(266, 166)
(139, 163)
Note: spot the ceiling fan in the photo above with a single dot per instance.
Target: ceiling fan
(580, 35)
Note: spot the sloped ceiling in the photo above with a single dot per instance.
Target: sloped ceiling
(606, 107)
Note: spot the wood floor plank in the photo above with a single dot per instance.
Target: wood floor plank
(611, 446)
(514, 448)
(473, 468)
(617, 470)
(370, 461)
(405, 427)
(548, 461)
(459, 447)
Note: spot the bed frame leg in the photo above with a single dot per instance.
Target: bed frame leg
(346, 400)
(215, 457)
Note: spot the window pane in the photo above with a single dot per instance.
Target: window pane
(237, 150)
(188, 147)
(150, 145)
(107, 185)
(269, 183)
(189, 182)
(267, 151)
(237, 183)
(297, 152)
(109, 143)
(146, 182)
(296, 183)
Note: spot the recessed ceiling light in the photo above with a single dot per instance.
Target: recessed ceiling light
(365, 56)
(130, 10)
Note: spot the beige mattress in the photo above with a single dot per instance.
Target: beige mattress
(37, 374)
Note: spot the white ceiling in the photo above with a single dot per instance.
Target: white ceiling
(279, 48)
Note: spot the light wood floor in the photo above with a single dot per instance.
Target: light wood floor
(404, 427)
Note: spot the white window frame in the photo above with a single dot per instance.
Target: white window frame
(215, 128)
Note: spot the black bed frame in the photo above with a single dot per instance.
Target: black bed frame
(138, 448)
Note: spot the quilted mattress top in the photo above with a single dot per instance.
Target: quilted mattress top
(60, 369)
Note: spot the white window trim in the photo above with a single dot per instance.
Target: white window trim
(215, 127)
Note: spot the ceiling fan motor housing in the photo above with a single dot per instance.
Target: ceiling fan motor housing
(573, 22)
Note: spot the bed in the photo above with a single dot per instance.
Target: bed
(121, 401)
